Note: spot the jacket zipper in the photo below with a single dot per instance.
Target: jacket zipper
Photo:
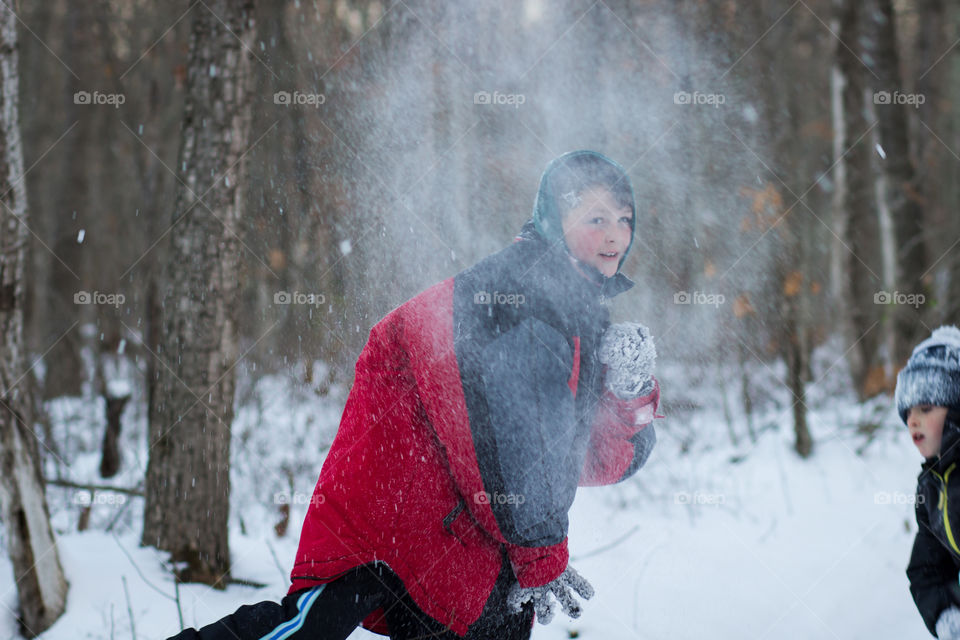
(942, 505)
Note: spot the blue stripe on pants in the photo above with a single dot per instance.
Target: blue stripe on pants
(290, 627)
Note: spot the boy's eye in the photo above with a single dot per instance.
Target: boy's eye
(626, 219)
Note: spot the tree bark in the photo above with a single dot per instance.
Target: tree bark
(858, 223)
(41, 585)
(187, 483)
(902, 189)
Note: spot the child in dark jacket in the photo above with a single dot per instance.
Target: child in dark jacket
(477, 409)
(928, 400)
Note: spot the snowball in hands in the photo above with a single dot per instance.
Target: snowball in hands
(948, 624)
(562, 589)
(628, 351)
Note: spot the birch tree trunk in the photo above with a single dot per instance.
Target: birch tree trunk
(41, 585)
(188, 482)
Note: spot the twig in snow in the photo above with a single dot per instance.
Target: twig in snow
(133, 629)
(176, 591)
(607, 546)
(142, 577)
(120, 511)
(276, 560)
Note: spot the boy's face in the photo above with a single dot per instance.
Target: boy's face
(597, 230)
(925, 422)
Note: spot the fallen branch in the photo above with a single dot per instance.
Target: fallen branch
(96, 487)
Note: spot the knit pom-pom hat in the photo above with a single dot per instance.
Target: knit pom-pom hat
(932, 375)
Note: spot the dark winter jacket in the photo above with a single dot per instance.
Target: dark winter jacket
(477, 408)
(934, 566)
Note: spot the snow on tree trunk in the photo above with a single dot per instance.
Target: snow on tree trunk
(41, 585)
(188, 482)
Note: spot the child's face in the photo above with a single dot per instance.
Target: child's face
(597, 230)
(925, 422)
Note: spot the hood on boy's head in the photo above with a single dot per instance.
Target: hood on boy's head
(932, 375)
(565, 178)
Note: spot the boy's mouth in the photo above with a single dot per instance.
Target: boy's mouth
(609, 254)
(917, 438)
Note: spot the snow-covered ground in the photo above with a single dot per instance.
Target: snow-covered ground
(709, 540)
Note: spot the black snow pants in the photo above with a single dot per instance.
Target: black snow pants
(334, 610)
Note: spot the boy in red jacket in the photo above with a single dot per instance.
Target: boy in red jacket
(477, 409)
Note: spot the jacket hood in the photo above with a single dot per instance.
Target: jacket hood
(546, 209)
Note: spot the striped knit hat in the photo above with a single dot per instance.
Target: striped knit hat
(932, 375)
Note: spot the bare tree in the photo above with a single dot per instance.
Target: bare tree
(41, 585)
(855, 220)
(902, 187)
(188, 482)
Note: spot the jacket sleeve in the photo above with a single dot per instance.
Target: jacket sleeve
(932, 573)
(536, 566)
(529, 443)
(621, 438)
(529, 449)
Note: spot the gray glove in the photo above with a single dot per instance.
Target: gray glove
(948, 624)
(628, 351)
(561, 588)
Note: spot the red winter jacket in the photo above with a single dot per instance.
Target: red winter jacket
(419, 476)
